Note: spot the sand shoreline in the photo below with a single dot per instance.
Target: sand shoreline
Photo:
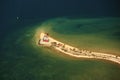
(75, 52)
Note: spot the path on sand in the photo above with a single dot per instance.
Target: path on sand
(46, 40)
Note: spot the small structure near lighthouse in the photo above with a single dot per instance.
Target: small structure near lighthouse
(44, 39)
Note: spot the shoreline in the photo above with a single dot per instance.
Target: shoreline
(75, 52)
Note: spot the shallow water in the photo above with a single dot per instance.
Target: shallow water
(94, 34)
(22, 59)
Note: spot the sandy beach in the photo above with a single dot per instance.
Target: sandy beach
(46, 40)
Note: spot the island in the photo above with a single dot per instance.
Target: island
(46, 40)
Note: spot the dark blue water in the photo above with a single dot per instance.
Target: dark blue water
(38, 9)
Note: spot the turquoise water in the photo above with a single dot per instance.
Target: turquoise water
(22, 59)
